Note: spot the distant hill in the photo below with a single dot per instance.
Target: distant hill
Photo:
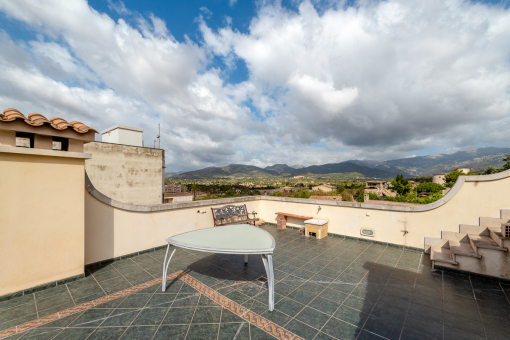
(239, 171)
(384, 167)
(280, 168)
(344, 167)
(236, 170)
(475, 158)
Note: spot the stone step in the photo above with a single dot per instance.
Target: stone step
(454, 236)
(473, 229)
(497, 237)
(443, 255)
(462, 249)
(478, 241)
(434, 242)
(492, 222)
(505, 214)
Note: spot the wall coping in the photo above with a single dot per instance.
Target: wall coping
(43, 152)
(372, 206)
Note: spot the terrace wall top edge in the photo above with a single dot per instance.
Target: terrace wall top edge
(225, 201)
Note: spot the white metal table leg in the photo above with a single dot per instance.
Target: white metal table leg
(165, 266)
(271, 282)
(267, 260)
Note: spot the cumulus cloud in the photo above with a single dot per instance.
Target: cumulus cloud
(375, 80)
(327, 100)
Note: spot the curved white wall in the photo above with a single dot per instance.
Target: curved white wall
(113, 229)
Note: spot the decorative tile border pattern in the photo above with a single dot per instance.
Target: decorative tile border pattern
(80, 308)
(255, 319)
(248, 315)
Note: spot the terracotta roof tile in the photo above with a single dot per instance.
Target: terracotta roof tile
(37, 119)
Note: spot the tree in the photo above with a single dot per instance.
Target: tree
(302, 194)
(490, 170)
(371, 196)
(451, 178)
(429, 187)
(193, 187)
(400, 185)
(506, 159)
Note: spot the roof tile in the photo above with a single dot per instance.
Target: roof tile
(37, 119)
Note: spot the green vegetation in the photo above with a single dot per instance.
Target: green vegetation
(428, 187)
(220, 191)
(413, 198)
(506, 159)
(406, 193)
(302, 194)
(423, 179)
(372, 196)
(491, 170)
(452, 177)
(400, 185)
(349, 190)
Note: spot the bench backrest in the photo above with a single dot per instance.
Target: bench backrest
(230, 213)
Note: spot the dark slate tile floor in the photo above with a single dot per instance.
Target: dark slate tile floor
(335, 288)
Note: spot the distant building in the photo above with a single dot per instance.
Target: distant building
(380, 188)
(122, 134)
(326, 198)
(465, 170)
(439, 178)
(173, 188)
(199, 194)
(413, 183)
(178, 197)
(324, 188)
(283, 189)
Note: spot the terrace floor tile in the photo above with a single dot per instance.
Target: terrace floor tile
(328, 289)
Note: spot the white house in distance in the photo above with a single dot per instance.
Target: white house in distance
(324, 188)
(122, 134)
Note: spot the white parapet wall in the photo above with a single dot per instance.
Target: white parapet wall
(473, 197)
(114, 229)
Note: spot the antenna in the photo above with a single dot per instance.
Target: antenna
(154, 144)
(159, 136)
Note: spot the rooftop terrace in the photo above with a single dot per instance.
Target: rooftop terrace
(334, 288)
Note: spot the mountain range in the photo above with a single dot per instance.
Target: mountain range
(475, 158)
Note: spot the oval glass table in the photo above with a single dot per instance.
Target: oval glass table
(242, 239)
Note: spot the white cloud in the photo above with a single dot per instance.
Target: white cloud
(379, 80)
(328, 100)
(118, 7)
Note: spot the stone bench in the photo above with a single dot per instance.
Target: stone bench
(282, 219)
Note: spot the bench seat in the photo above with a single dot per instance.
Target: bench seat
(282, 219)
(233, 214)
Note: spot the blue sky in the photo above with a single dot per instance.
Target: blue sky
(265, 82)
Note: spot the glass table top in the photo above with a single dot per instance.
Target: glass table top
(235, 238)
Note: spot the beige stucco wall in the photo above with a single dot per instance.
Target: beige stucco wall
(112, 232)
(128, 174)
(119, 230)
(473, 200)
(41, 220)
